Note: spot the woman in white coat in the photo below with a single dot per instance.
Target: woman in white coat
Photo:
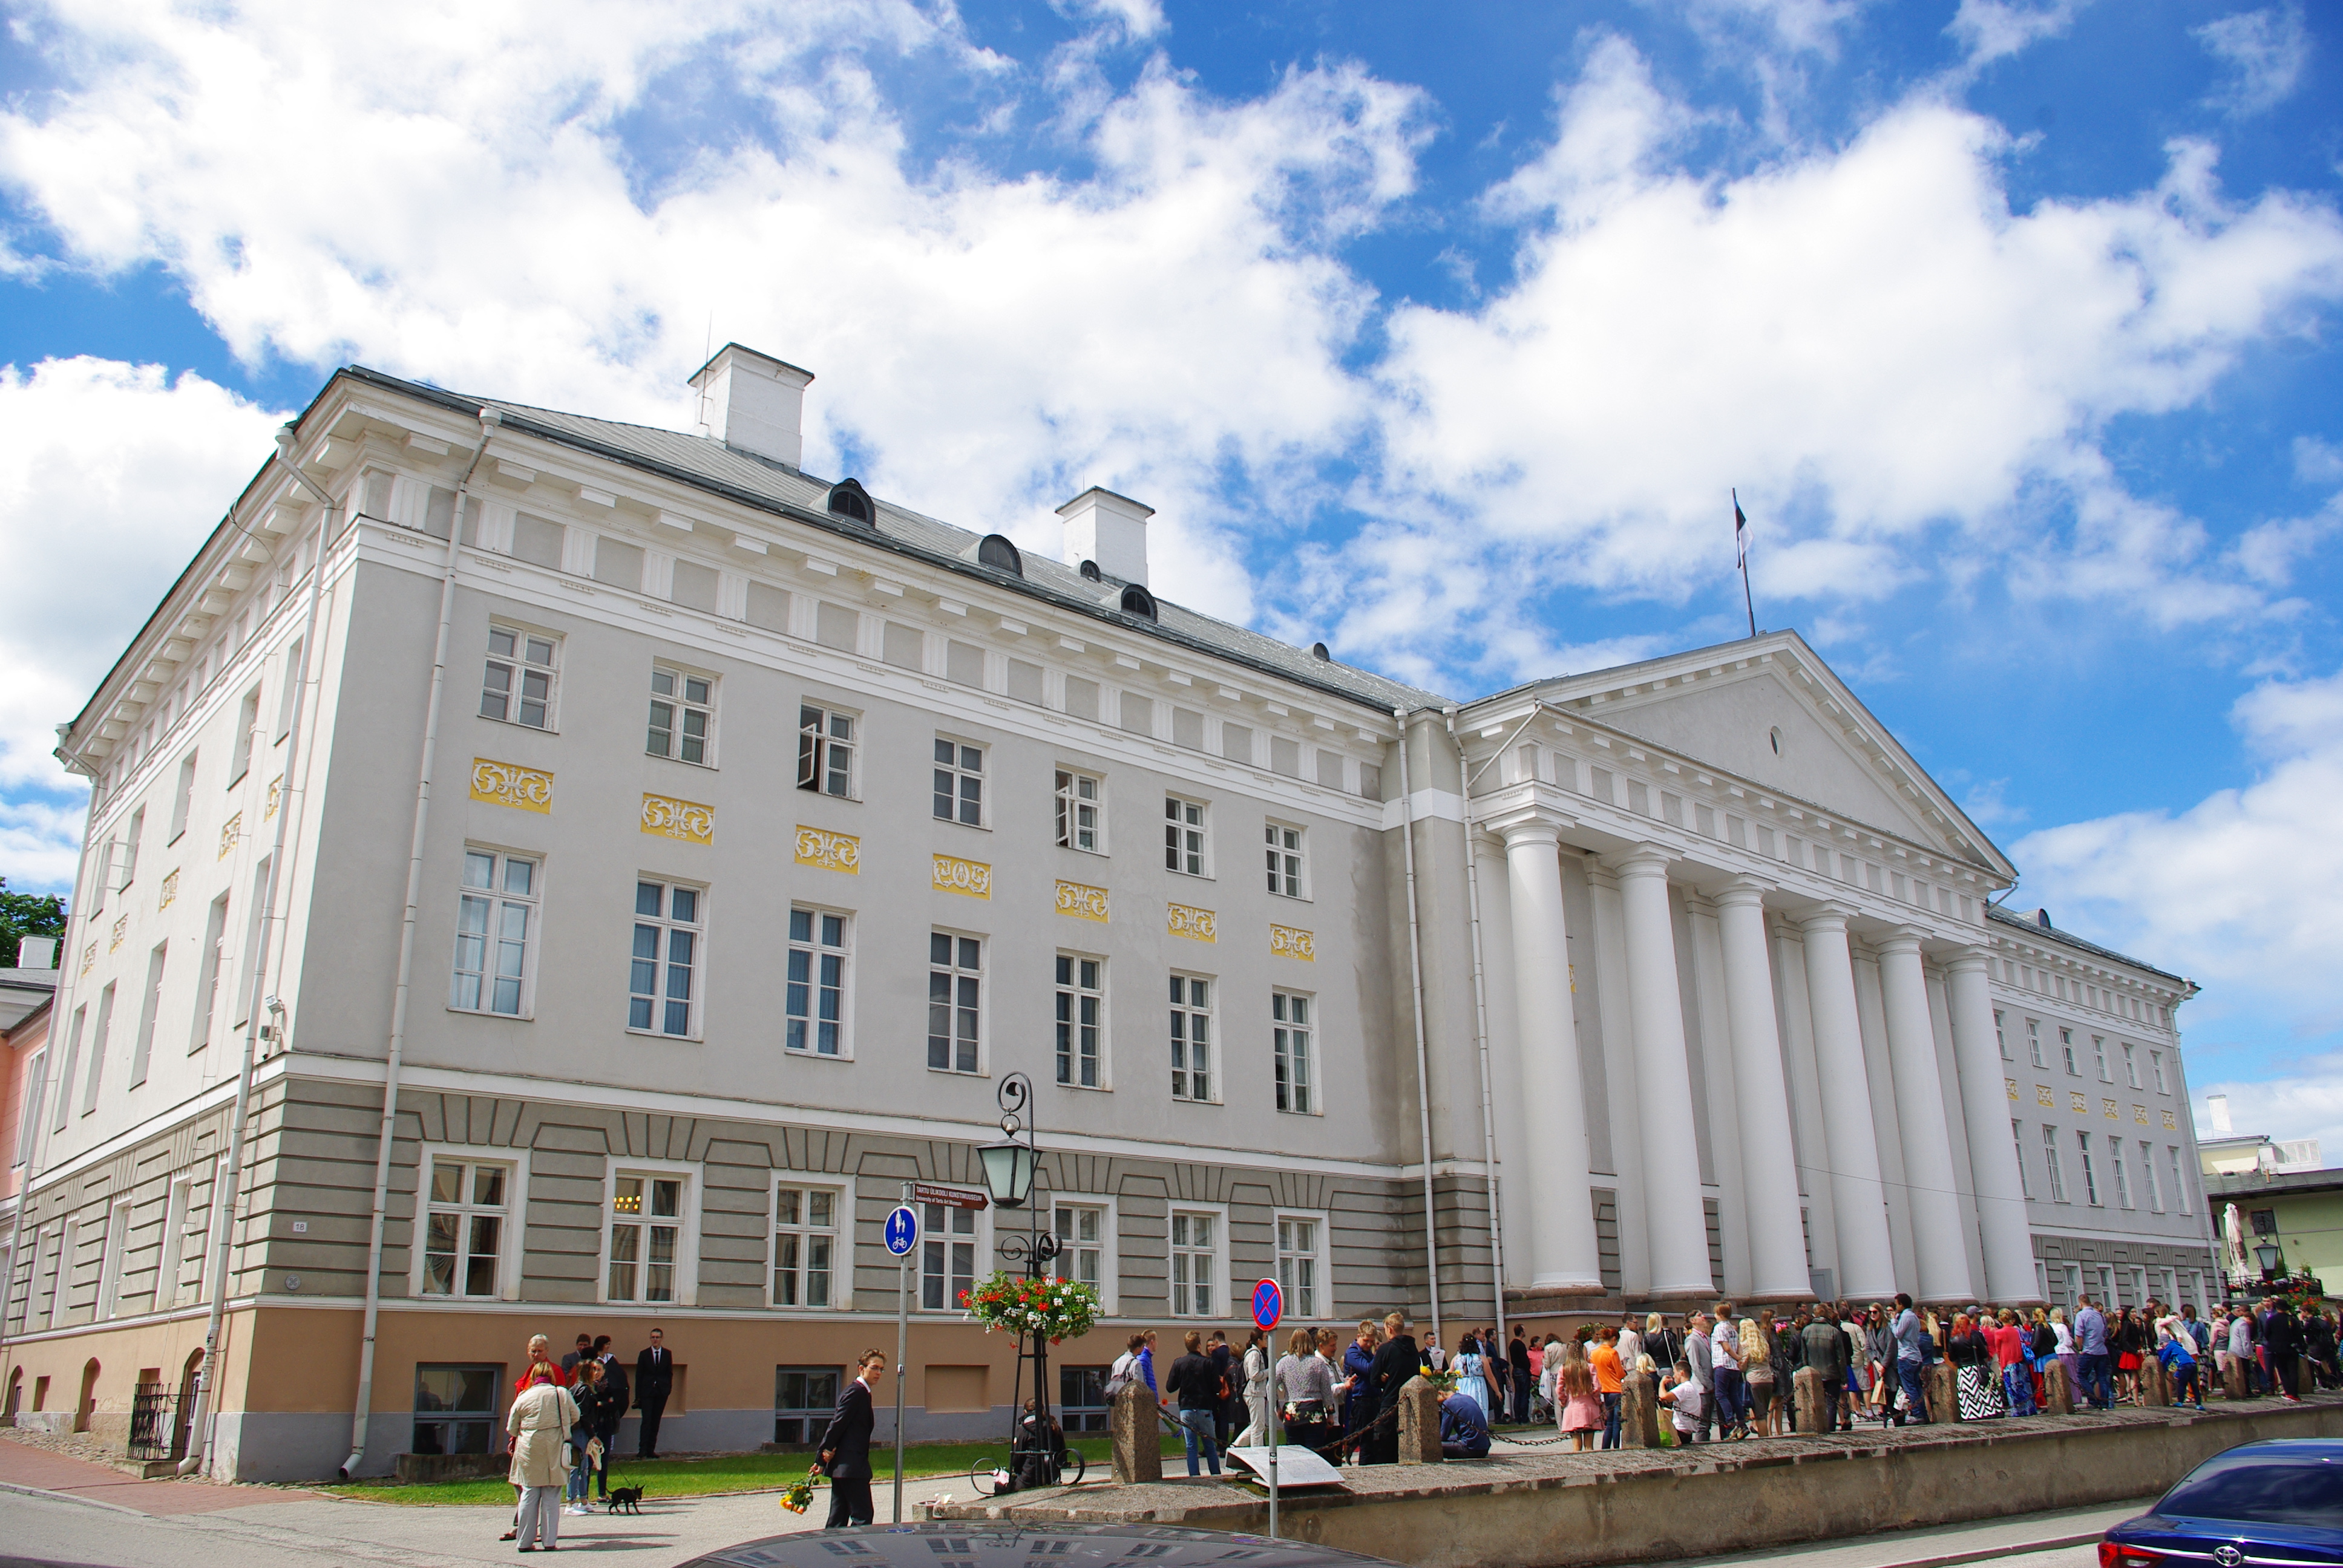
(540, 1424)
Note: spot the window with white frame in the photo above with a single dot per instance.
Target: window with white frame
(1191, 1038)
(2090, 1173)
(1080, 1020)
(959, 782)
(1184, 843)
(172, 1261)
(2148, 1176)
(1298, 1268)
(2067, 1049)
(468, 1204)
(290, 690)
(183, 797)
(1081, 811)
(814, 1001)
(495, 915)
(804, 1244)
(247, 720)
(2122, 1172)
(2100, 1057)
(1081, 1244)
(2018, 1135)
(2131, 1064)
(517, 684)
(2034, 1041)
(2000, 1037)
(645, 1245)
(1289, 1035)
(211, 963)
(683, 716)
(955, 1001)
(947, 1256)
(1284, 857)
(826, 750)
(2053, 1164)
(662, 980)
(2156, 1066)
(1195, 1263)
(2179, 1184)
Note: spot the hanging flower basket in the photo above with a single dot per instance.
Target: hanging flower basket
(1059, 1310)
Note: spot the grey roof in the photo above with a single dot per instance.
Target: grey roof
(2051, 933)
(2247, 1183)
(743, 476)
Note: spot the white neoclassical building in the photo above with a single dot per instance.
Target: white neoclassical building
(624, 861)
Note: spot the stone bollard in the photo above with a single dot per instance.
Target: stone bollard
(1943, 1394)
(1639, 1410)
(2233, 1379)
(1806, 1400)
(2057, 1389)
(2154, 1384)
(1419, 1422)
(1138, 1449)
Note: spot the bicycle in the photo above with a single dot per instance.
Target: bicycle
(1029, 1466)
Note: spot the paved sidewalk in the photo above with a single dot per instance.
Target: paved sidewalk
(25, 1466)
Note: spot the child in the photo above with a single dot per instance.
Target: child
(2182, 1367)
(1682, 1396)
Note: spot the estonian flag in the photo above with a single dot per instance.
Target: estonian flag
(1740, 532)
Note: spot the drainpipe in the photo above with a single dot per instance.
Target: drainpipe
(225, 1188)
(1415, 984)
(490, 420)
(1481, 1021)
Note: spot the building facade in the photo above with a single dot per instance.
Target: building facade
(675, 851)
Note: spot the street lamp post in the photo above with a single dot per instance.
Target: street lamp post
(1011, 1171)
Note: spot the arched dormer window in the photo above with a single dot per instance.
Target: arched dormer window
(998, 553)
(1137, 600)
(1090, 571)
(847, 498)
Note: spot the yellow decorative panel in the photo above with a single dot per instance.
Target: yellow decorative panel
(2042, 1095)
(510, 784)
(667, 817)
(830, 851)
(170, 891)
(231, 835)
(1285, 942)
(121, 930)
(2013, 1087)
(88, 957)
(2078, 1102)
(2170, 1123)
(2110, 1112)
(2140, 1114)
(276, 790)
(1196, 925)
(968, 878)
(1082, 901)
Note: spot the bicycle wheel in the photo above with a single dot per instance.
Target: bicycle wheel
(1071, 1467)
(987, 1477)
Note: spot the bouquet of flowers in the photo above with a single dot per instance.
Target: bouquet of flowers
(1059, 1310)
(800, 1496)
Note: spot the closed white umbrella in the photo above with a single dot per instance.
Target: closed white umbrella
(2233, 1244)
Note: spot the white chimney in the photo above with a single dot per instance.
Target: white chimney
(2216, 1110)
(1109, 529)
(36, 953)
(754, 402)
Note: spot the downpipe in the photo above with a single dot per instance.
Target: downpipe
(1480, 1018)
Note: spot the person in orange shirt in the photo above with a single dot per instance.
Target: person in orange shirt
(1609, 1381)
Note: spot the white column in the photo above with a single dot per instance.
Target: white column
(1555, 1194)
(2002, 1228)
(1941, 1250)
(1769, 1175)
(1676, 1225)
(1858, 1204)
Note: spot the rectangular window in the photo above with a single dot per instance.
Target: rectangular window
(661, 980)
(2156, 1066)
(455, 1408)
(947, 1256)
(1191, 1038)
(97, 1042)
(494, 918)
(150, 1004)
(2000, 1037)
(2148, 1176)
(2179, 1186)
(955, 1000)
(1285, 856)
(247, 721)
(2123, 1176)
(72, 1065)
(1194, 1255)
(805, 1244)
(2090, 1175)
(2066, 1051)
(1081, 986)
(815, 1000)
(212, 962)
(1081, 1244)
(683, 711)
(2017, 1132)
(183, 797)
(1288, 1036)
(826, 751)
(2051, 1163)
(2034, 1041)
(803, 1401)
(2262, 1221)
(1297, 1264)
(2131, 1065)
(960, 783)
(1081, 806)
(109, 1260)
(36, 1089)
(290, 690)
(173, 1261)
(463, 1227)
(646, 1237)
(2099, 1057)
(517, 687)
(127, 870)
(1183, 837)
(1082, 1399)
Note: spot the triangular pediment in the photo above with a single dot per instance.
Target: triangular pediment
(1770, 712)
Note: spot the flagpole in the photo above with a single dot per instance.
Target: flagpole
(1741, 549)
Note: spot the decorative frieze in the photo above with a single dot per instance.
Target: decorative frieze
(2080, 1101)
(170, 891)
(1082, 901)
(2140, 1114)
(1196, 925)
(121, 930)
(88, 958)
(968, 878)
(1286, 943)
(665, 817)
(829, 852)
(2013, 1087)
(2171, 1122)
(2044, 1098)
(276, 789)
(510, 784)
(2109, 1111)
(231, 835)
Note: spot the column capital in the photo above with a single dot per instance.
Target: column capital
(1740, 892)
(1643, 860)
(1899, 940)
(1965, 959)
(1527, 830)
(1824, 917)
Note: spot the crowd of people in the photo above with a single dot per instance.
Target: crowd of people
(564, 1423)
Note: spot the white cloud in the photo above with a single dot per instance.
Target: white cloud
(2316, 462)
(1990, 30)
(2263, 53)
(2304, 1103)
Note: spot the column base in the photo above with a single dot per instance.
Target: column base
(1540, 1300)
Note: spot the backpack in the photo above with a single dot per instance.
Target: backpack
(1122, 1375)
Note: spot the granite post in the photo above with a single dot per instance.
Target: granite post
(1639, 1410)
(1806, 1399)
(1419, 1422)
(2057, 1389)
(1138, 1449)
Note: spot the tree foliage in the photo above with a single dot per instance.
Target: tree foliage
(27, 915)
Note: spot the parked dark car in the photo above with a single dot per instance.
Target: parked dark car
(2259, 1505)
(1005, 1546)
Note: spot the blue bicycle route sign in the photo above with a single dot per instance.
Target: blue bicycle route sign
(902, 1231)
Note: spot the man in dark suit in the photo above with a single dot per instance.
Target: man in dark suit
(845, 1445)
(1394, 1364)
(654, 1379)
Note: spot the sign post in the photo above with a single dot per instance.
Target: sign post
(902, 1236)
(1268, 1306)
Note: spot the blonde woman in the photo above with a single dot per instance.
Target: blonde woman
(1305, 1385)
(1582, 1411)
(1757, 1372)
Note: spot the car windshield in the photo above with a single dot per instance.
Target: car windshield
(2262, 1491)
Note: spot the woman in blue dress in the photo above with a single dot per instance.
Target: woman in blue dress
(1471, 1380)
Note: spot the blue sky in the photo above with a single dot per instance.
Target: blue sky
(1437, 332)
